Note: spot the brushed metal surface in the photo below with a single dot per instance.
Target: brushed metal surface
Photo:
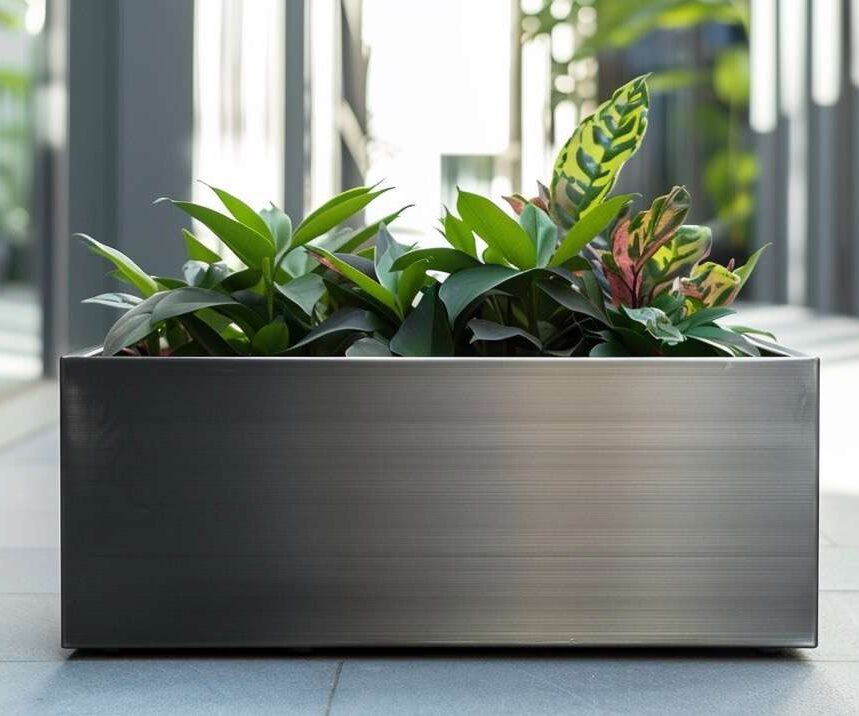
(322, 502)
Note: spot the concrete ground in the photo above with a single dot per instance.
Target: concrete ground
(38, 677)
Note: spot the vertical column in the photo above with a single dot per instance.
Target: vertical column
(296, 115)
(763, 118)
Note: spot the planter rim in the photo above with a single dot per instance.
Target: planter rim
(781, 353)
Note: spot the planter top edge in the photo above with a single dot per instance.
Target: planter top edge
(780, 354)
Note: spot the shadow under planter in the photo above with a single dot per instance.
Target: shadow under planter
(301, 502)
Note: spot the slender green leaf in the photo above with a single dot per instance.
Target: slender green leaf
(656, 323)
(346, 319)
(746, 269)
(333, 213)
(115, 300)
(721, 336)
(244, 242)
(441, 258)
(491, 331)
(588, 227)
(498, 230)
(187, 300)
(130, 271)
(243, 213)
(359, 278)
(133, 326)
(572, 300)
(197, 251)
(458, 235)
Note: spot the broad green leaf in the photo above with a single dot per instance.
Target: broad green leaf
(304, 291)
(242, 280)
(609, 349)
(746, 269)
(279, 226)
(333, 213)
(271, 339)
(130, 271)
(498, 230)
(752, 331)
(458, 235)
(243, 213)
(412, 279)
(197, 251)
(359, 278)
(426, 331)
(194, 272)
(724, 338)
(588, 227)
(206, 337)
(572, 300)
(542, 231)
(461, 289)
(187, 300)
(656, 322)
(387, 250)
(346, 319)
(589, 163)
(115, 300)
(705, 315)
(251, 247)
(440, 258)
(368, 347)
(491, 331)
(133, 326)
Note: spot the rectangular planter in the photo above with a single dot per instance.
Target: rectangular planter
(300, 502)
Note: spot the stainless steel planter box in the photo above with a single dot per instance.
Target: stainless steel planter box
(328, 502)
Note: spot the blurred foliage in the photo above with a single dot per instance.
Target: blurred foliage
(16, 144)
(721, 121)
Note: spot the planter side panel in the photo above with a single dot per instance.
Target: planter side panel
(407, 502)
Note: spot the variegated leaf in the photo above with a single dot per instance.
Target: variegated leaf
(589, 163)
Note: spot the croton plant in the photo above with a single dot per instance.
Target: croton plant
(576, 273)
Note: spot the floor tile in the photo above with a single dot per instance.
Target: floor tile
(171, 686)
(839, 568)
(29, 527)
(29, 487)
(838, 638)
(839, 517)
(30, 628)
(28, 571)
(643, 684)
(41, 448)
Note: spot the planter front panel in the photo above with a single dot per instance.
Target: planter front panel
(323, 502)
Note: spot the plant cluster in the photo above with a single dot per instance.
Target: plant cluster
(576, 273)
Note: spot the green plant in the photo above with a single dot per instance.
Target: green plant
(575, 273)
(263, 294)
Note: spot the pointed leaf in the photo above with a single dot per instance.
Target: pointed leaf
(130, 271)
(426, 331)
(251, 247)
(368, 347)
(304, 291)
(746, 269)
(115, 300)
(542, 230)
(460, 289)
(197, 251)
(589, 163)
(491, 331)
(588, 227)
(458, 235)
(346, 319)
(243, 213)
(187, 300)
(333, 213)
(271, 339)
(498, 230)
(572, 300)
(440, 258)
(133, 326)
(359, 278)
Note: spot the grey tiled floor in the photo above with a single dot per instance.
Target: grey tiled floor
(38, 677)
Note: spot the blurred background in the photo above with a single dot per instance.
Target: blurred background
(106, 105)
